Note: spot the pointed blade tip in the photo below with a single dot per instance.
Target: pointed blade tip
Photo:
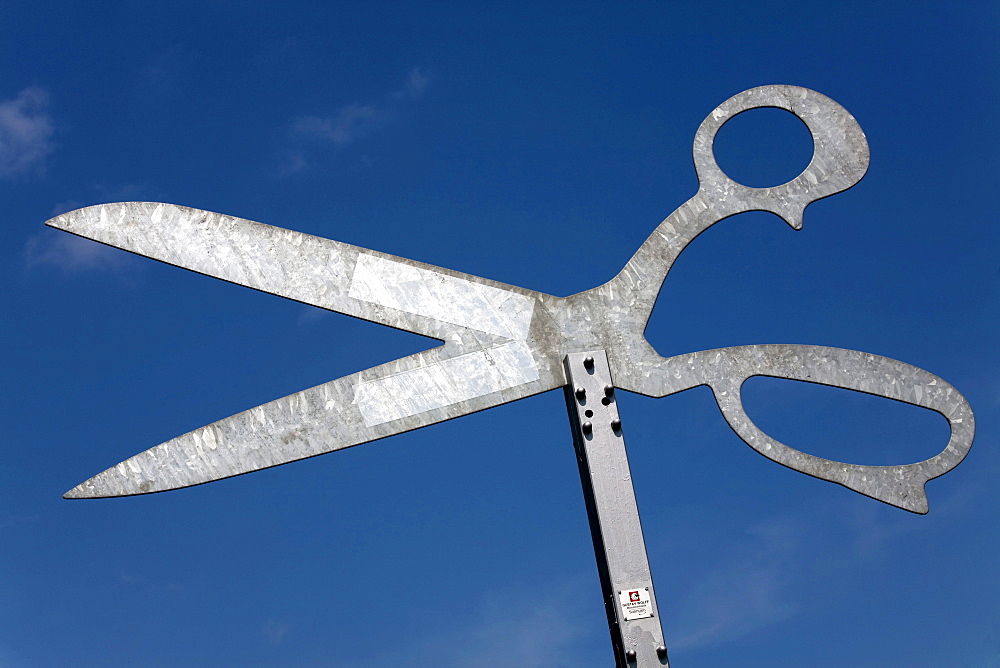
(80, 492)
(88, 490)
(66, 220)
(77, 493)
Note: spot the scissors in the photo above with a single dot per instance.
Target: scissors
(502, 343)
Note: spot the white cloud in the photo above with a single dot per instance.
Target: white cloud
(165, 74)
(71, 253)
(294, 162)
(310, 314)
(415, 84)
(25, 132)
(275, 631)
(516, 627)
(349, 123)
(523, 632)
(354, 121)
(745, 591)
(129, 579)
(8, 659)
(15, 520)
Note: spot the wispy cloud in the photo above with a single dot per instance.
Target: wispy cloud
(72, 254)
(310, 314)
(128, 579)
(748, 589)
(164, 75)
(353, 122)
(8, 658)
(293, 162)
(763, 576)
(69, 253)
(349, 123)
(15, 520)
(414, 87)
(516, 627)
(25, 132)
(519, 631)
(275, 631)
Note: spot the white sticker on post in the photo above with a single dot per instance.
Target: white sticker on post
(635, 603)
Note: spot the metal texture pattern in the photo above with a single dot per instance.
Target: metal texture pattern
(611, 507)
(503, 343)
(487, 358)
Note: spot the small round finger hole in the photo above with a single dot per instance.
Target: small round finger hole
(763, 147)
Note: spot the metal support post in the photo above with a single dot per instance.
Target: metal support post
(629, 600)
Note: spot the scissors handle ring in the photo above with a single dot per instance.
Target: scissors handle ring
(726, 369)
(840, 156)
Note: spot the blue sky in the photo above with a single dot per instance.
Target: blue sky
(538, 145)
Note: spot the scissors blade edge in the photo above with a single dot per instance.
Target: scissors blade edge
(406, 394)
(378, 287)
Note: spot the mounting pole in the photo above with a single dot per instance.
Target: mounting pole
(629, 601)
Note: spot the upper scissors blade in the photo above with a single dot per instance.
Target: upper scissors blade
(374, 286)
(409, 393)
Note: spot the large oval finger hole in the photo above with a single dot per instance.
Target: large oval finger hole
(763, 148)
(844, 425)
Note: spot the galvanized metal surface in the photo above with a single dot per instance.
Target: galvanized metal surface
(611, 508)
(503, 343)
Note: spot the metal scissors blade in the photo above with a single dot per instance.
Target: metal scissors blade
(488, 357)
(355, 281)
(503, 342)
(409, 393)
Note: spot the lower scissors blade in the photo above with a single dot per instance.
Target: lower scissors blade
(409, 393)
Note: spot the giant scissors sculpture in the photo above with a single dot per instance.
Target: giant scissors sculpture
(503, 343)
